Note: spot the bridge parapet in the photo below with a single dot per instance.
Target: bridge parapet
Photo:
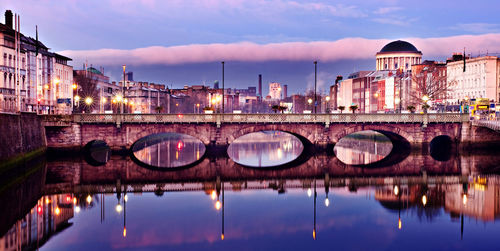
(491, 124)
(268, 118)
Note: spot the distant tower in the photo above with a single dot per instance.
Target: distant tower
(275, 90)
(129, 76)
(285, 91)
(260, 85)
(216, 84)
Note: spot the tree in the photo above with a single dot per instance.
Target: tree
(429, 80)
(275, 108)
(282, 109)
(411, 108)
(341, 108)
(353, 108)
(87, 87)
(159, 109)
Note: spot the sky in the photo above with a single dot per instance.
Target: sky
(182, 42)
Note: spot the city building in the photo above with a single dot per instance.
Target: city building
(429, 78)
(397, 55)
(92, 83)
(42, 87)
(479, 79)
(275, 90)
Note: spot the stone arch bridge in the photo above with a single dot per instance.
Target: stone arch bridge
(120, 131)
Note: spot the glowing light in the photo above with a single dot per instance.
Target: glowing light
(74, 86)
(113, 101)
(57, 81)
(118, 98)
(327, 202)
(218, 205)
(74, 200)
(397, 100)
(103, 100)
(399, 223)
(314, 234)
(125, 101)
(213, 195)
(77, 209)
(464, 199)
(396, 190)
(118, 208)
(180, 145)
(77, 98)
(131, 102)
(425, 98)
(424, 200)
(213, 101)
(57, 211)
(88, 100)
(39, 209)
(309, 101)
(279, 152)
(327, 98)
(197, 105)
(47, 201)
(124, 232)
(180, 116)
(375, 95)
(89, 199)
(68, 198)
(125, 198)
(222, 237)
(309, 192)
(47, 87)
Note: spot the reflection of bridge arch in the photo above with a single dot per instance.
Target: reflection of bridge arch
(392, 132)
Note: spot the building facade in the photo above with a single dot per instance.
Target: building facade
(397, 55)
(481, 79)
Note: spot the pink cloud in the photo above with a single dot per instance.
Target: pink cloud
(325, 51)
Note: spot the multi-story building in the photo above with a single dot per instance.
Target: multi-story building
(39, 89)
(479, 79)
(63, 84)
(96, 85)
(275, 90)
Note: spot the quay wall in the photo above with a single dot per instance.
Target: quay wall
(20, 135)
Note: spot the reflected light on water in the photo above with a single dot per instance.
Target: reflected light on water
(361, 148)
(89, 199)
(213, 195)
(309, 192)
(265, 149)
(424, 200)
(217, 205)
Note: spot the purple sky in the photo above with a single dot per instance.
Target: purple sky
(182, 42)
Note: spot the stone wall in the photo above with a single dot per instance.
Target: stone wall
(20, 134)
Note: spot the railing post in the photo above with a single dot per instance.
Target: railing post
(327, 120)
(118, 120)
(218, 119)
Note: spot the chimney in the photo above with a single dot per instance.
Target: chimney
(8, 19)
(260, 85)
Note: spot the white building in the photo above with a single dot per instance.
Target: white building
(481, 79)
(396, 55)
(63, 84)
(275, 90)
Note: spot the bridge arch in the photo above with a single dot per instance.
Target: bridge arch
(394, 133)
(307, 133)
(137, 132)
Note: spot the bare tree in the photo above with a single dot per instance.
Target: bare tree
(87, 88)
(428, 82)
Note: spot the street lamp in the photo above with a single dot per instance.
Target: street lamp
(88, 100)
(327, 110)
(315, 78)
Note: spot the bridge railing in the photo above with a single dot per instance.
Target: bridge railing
(270, 118)
(491, 124)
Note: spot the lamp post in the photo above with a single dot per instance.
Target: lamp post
(309, 101)
(123, 88)
(222, 86)
(315, 78)
(327, 109)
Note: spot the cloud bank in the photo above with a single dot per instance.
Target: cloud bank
(323, 51)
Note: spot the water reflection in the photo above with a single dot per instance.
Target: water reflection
(97, 152)
(265, 149)
(261, 214)
(168, 150)
(362, 148)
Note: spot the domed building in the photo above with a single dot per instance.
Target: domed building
(398, 54)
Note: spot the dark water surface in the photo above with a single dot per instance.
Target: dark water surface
(419, 203)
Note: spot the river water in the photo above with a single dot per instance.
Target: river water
(250, 199)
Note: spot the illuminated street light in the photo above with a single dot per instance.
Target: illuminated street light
(425, 98)
(118, 208)
(77, 98)
(57, 81)
(74, 86)
(119, 98)
(103, 100)
(88, 100)
(327, 98)
(310, 101)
